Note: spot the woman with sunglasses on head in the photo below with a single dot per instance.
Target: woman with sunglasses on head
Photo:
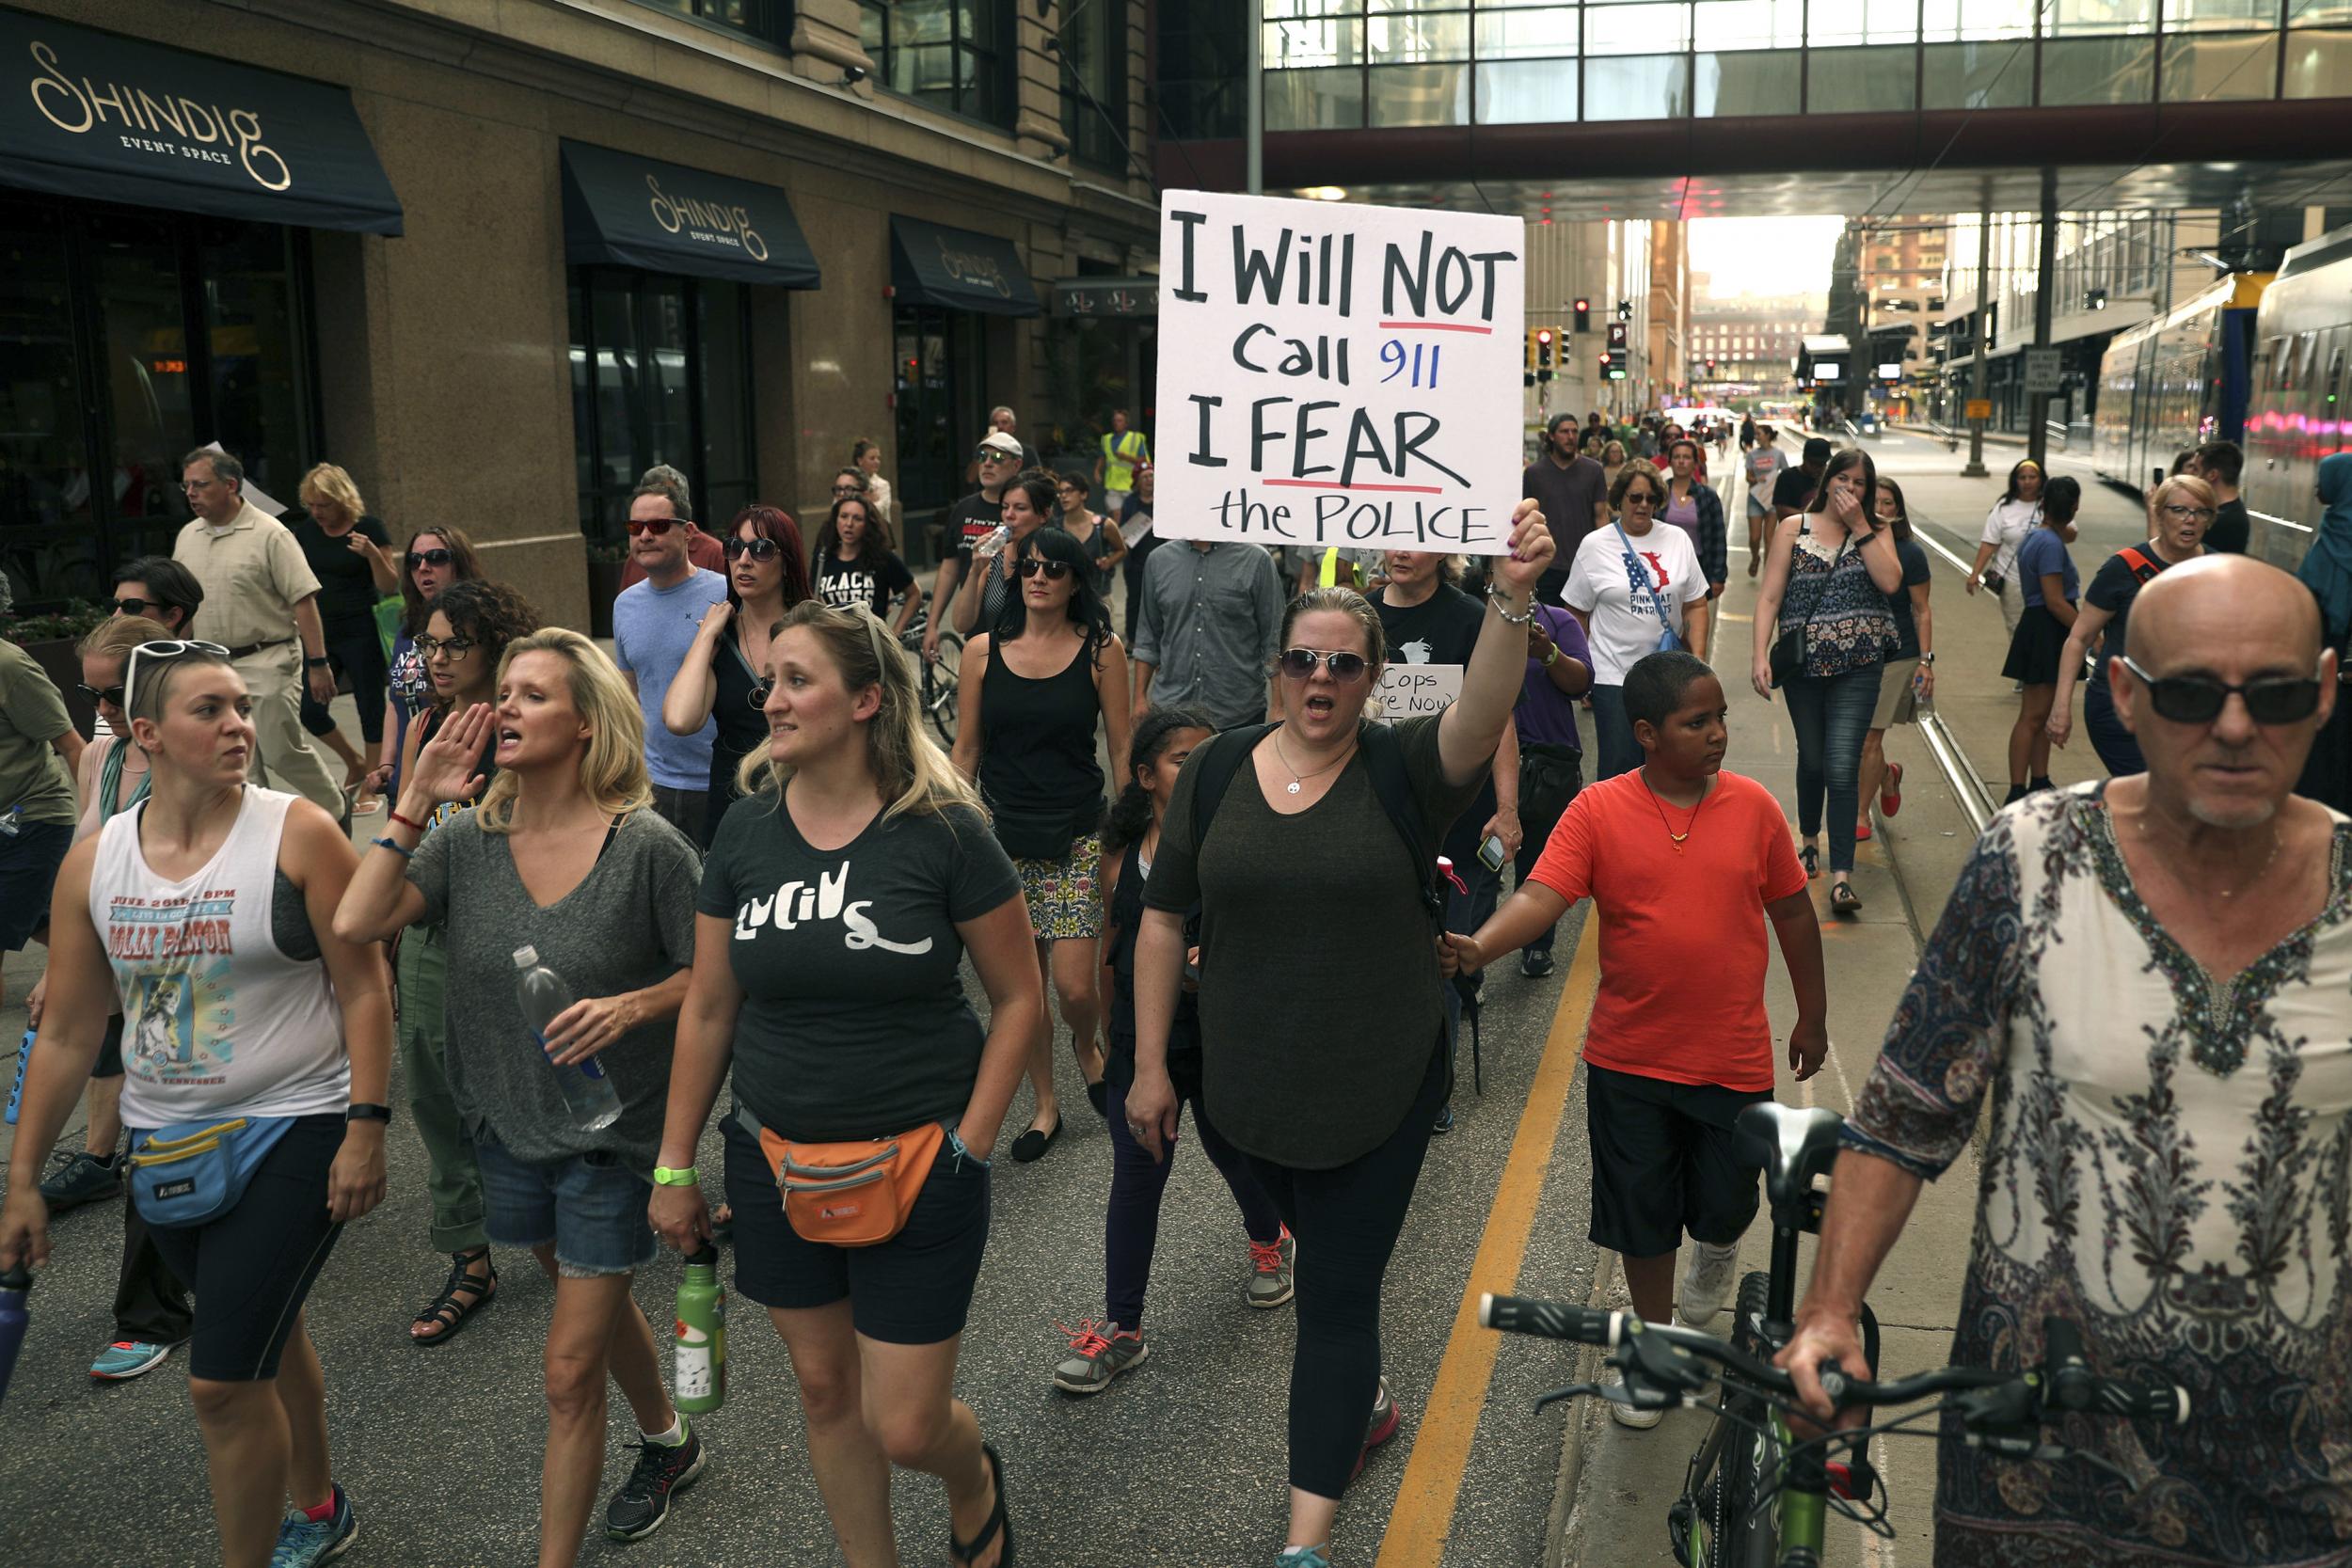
(981, 601)
(206, 913)
(1823, 629)
(842, 1017)
(1033, 688)
(1330, 1090)
(1629, 585)
(562, 864)
(767, 575)
(2180, 511)
(855, 566)
(2047, 579)
(435, 557)
(1097, 535)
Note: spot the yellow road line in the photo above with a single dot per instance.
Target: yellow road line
(1441, 1444)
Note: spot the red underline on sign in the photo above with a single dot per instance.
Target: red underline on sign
(1319, 485)
(1437, 326)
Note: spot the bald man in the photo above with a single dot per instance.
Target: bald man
(2152, 976)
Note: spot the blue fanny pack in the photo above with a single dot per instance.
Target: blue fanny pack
(196, 1171)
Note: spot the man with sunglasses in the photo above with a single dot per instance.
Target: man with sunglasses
(656, 490)
(265, 611)
(2149, 974)
(996, 460)
(655, 622)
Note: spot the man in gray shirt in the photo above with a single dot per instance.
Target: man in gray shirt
(1205, 636)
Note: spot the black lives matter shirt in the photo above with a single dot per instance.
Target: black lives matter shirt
(1442, 629)
(848, 584)
(854, 1022)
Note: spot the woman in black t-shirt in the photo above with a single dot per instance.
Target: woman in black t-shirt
(855, 564)
(2180, 512)
(837, 906)
(724, 674)
(345, 548)
(1033, 690)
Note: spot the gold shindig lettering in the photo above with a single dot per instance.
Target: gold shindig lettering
(711, 220)
(76, 106)
(967, 267)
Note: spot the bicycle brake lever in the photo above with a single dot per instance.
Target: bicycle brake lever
(1573, 1390)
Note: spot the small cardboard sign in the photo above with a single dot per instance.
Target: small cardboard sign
(1413, 690)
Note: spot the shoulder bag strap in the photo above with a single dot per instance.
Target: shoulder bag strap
(1641, 575)
(2142, 569)
(1218, 762)
(1384, 758)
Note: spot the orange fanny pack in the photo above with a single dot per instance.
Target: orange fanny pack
(853, 1194)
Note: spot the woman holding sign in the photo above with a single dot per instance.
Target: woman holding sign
(1635, 588)
(1311, 848)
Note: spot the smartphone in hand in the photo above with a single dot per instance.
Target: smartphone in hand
(1491, 854)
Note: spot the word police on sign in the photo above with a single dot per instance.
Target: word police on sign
(1338, 374)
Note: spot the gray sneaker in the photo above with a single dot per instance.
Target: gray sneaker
(1270, 1265)
(1097, 1354)
(81, 1180)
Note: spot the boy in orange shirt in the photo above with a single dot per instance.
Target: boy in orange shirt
(1684, 863)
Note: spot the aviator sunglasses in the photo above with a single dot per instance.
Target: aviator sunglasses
(2199, 699)
(1300, 664)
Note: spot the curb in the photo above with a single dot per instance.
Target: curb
(1560, 1525)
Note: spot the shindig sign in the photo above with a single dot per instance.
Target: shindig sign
(167, 124)
(709, 222)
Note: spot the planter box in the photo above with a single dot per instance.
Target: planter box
(604, 586)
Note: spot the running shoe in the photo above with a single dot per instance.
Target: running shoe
(81, 1178)
(1707, 1273)
(1445, 1122)
(663, 1470)
(1625, 1415)
(303, 1540)
(1097, 1354)
(126, 1359)
(1535, 963)
(1891, 792)
(1270, 1283)
(1302, 1557)
(1379, 1427)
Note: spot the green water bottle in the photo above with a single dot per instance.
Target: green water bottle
(699, 1363)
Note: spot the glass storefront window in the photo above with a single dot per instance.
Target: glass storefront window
(1418, 38)
(942, 410)
(1859, 81)
(2098, 70)
(1978, 75)
(2180, 16)
(1634, 29)
(2088, 18)
(1419, 94)
(2219, 65)
(2318, 13)
(1855, 22)
(1654, 87)
(1976, 20)
(2319, 64)
(1527, 92)
(1728, 24)
(1762, 82)
(1331, 98)
(1524, 34)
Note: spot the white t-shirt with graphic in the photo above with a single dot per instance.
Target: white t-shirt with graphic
(1622, 624)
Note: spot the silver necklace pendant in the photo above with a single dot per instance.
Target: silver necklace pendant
(1292, 787)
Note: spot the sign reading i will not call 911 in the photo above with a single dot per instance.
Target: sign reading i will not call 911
(1338, 374)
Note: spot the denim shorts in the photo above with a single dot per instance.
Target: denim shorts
(592, 1207)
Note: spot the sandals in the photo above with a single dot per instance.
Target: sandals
(1810, 858)
(462, 1295)
(1842, 897)
(969, 1551)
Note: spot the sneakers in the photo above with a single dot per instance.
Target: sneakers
(1378, 1428)
(1302, 1557)
(1270, 1270)
(82, 1179)
(126, 1359)
(1535, 963)
(1625, 1415)
(303, 1540)
(1097, 1354)
(1708, 1271)
(663, 1470)
(1445, 1122)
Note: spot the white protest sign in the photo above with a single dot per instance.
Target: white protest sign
(1413, 690)
(1333, 373)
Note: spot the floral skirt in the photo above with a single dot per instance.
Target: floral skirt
(1065, 896)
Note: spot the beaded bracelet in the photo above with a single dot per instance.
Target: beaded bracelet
(1499, 595)
(401, 849)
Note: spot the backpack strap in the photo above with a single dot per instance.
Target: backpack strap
(2142, 569)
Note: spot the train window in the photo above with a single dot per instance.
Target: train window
(2311, 353)
(2335, 375)
(2270, 365)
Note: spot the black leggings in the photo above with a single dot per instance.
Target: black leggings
(359, 657)
(1347, 1220)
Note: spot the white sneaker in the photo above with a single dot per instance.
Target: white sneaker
(1707, 1273)
(1625, 1415)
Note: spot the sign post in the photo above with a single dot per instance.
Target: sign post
(2043, 373)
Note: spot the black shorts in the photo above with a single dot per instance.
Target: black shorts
(1662, 1163)
(28, 873)
(251, 1268)
(109, 1063)
(912, 1290)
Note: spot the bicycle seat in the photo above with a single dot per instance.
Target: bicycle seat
(1793, 1146)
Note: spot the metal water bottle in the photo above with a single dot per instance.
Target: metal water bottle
(594, 1103)
(699, 1362)
(14, 1284)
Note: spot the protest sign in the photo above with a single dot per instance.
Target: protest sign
(1414, 691)
(1333, 373)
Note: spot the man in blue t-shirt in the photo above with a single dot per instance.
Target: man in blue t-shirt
(654, 625)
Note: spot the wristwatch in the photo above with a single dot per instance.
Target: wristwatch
(360, 1111)
(663, 1176)
(317, 663)
(1927, 658)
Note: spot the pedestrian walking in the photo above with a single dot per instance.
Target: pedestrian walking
(855, 568)
(161, 590)
(1633, 586)
(1763, 461)
(2180, 516)
(1034, 690)
(1823, 630)
(435, 558)
(1551, 756)
(256, 1062)
(1668, 1065)
(1693, 506)
(1907, 680)
(2220, 465)
(1793, 489)
(1100, 1351)
(991, 587)
(2327, 571)
(345, 548)
(561, 864)
(40, 750)
(1323, 864)
(1211, 624)
(867, 457)
(1613, 460)
(2049, 585)
(1124, 451)
(840, 1016)
(2017, 514)
(661, 494)
(1098, 536)
(655, 625)
(971, 525)
(1573, 492)
(1134, 527)
(2076, 976)
(722, 681)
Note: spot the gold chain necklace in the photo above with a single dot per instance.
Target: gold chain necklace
(1297, 777)
(1677, 838)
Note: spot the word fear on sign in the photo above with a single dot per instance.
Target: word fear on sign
(1338, 374)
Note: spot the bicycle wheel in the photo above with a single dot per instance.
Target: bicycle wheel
(939, 685)
(1741, 1537)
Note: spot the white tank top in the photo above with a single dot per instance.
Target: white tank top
(216, 1021)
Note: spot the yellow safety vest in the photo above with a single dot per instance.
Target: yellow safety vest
(1330, 575)
(1120, 454)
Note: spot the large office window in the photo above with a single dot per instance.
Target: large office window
(660, 374)
(1094, 81)
(768, 19)
(1199, 68)
(951, 54)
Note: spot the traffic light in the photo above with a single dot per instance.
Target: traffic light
(1583, 315)
(1543, 353)
(1624, 310)
(1607, 359)
(1710, 367)
(1529, 365)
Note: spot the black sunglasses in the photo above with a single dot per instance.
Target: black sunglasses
(429, 558)
(758, 549)
(138, 607)
(1300, 664)
(101, 693)
(1030, 565)
(2196, 699)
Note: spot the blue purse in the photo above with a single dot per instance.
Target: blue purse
(196, 1171)
(1672, 641)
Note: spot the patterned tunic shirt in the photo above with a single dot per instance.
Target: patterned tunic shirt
(2166, 1165)
(1847, 623)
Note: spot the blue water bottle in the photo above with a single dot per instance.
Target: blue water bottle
(23, 1059)
(14, 1284)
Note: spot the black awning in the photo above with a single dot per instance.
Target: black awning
(114, 118)
(636, 211)
(1107, 298)
(933, 264)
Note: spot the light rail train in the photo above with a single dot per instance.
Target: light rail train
(2176, 380)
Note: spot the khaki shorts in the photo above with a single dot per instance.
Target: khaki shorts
(1898, 703)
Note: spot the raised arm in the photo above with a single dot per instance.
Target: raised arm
(686, 707)
(1473, 727)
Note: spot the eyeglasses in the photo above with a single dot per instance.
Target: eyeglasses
(2184, 513)
(191, 485)
(2197, 700)
(656, 526)
(157, 653)
(1030, 565)
(429, 558)
(845, 489)
(138, 607)
(101, 694)
(456, 647)
(758, 549)
(1300, 664)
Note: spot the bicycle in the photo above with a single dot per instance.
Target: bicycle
(1751, 1459)
(937, 677)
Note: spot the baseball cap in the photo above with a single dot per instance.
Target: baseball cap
(996, 440)
(1817, 451)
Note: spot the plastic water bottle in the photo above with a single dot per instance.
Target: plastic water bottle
(543, 996)
(14, 1285)
(992, 543)
(699, 1363)
(24, 1060)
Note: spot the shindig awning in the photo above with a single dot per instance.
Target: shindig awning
(933, 264)
(114, 118)
(626, 211)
